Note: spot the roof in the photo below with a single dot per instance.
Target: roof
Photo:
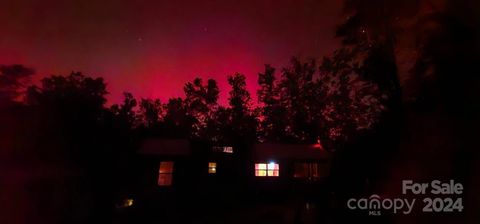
(289, 151)
(165, 147)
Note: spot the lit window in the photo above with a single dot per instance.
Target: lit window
(260, 169)
(212, 167)
(267, 169)
(165, 173)
(224, 149)
(228, 149)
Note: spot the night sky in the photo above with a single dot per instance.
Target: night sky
(151, 48)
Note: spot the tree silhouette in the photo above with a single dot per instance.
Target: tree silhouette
(298, 97)
(223, 129)
(72, 132)
(443, 74)
(13, 81)
(176, 121)
(125, 113)
(332, 104)
(75, 104)
(370, 31)
(272, 114)
(243, 119)
(201, 103)
(151, 112)
(350, 103)
(73, 92)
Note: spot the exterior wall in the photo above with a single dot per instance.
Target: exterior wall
(286, 183)
(235, 175)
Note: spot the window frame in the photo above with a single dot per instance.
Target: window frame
(167, 175)
(312, 170)
(212, 167)
(264, 169)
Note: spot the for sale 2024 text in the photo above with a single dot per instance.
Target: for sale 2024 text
(446, 197)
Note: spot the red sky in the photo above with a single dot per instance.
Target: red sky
(151, 48)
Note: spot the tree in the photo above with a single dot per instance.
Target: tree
(239, 100)
(243, 120)
(351, 104)
(332, 104)
(78, 99)
(176, 121)
(223, 131)
(151, 112)
(200, 104)
(75, 105)
(443, 73)
(299, 100)
(125, 112)
(72, 133)
(370, 34)
(13, 81)
(272, 114)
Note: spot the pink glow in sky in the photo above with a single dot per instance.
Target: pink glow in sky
(151, 48)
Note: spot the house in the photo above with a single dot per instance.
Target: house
(181, 164)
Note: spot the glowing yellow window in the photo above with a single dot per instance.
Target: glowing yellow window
(212, 167)
(165, 173)
(267, 169)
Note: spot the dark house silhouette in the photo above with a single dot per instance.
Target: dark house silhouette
(178, 164)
